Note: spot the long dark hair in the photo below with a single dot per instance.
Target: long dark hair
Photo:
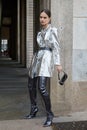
(47, 11)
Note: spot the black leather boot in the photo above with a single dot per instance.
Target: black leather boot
(33, 112)
(49, 119)
(42, 81)
(32, 83)
(50, 114)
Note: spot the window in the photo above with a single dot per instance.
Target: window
(4, 47)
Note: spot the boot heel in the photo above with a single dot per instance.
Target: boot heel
(48, 122)
(32, 114)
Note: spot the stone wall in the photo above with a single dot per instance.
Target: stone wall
(70, 17)
(62, 18)
(79, 75)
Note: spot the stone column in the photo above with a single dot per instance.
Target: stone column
(62, 18)
(18, 29)
(44, 4)
(0, 23)
(29, 31)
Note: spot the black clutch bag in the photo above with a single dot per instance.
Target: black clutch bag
(62, 76)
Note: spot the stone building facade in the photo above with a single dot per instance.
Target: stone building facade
(70, 17)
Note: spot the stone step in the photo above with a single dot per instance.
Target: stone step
(75, 125)
(73, 121)
(37, 124)
(32, 124)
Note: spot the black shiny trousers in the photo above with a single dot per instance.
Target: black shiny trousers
(41, 82)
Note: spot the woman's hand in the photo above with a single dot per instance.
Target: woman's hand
(59, 68)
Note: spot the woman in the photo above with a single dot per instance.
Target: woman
(42, 65)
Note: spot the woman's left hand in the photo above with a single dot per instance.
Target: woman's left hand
(59, 68)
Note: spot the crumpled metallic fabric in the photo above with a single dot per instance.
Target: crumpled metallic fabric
(43, 61)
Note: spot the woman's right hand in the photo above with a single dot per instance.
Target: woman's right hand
(59, 68)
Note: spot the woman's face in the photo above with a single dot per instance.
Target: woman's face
(44, 19)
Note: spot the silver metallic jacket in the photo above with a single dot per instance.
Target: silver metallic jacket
(43, 61)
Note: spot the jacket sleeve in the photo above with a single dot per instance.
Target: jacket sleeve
(56, 47)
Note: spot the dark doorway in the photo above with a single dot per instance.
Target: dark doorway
(13, 30)
(9, 28)
(13, 74)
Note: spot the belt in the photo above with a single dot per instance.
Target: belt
(45, 48)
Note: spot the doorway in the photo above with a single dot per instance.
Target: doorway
(13, 29)
(8, 28)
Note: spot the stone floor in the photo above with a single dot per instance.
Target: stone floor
(37, 124)
(33, 124)
(15, 103)
(14, 97)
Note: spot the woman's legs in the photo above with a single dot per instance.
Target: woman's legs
(32, 83)
(42, 82)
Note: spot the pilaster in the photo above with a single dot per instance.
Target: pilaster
(62, 18)
(29, 31)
